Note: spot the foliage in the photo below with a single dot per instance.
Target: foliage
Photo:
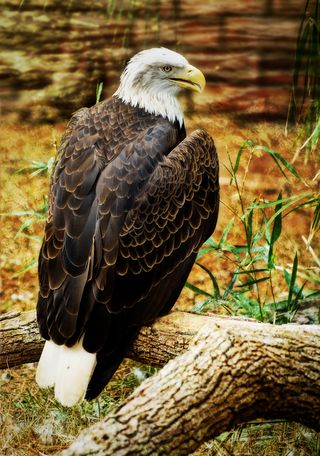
(305, 93)
(254, 262)
(99, 89)
(32, 217)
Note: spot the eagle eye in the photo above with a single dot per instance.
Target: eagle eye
(167, 68)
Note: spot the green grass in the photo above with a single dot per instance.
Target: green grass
(30, 417)
(254, 262)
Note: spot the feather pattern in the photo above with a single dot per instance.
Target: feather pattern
(131, 201)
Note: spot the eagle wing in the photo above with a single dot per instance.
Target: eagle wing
(170, 218)
(122, 224)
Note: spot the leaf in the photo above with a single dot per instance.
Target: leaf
(246, 143)
(18, 213)
(313, 137)
(289, 202)
(200, 307)
(292, 280)
(225, 233)
(203, 252)
(211, 243)
(276, 229)
(295, 303)
(25, 225)
(26, 268)
(279, 158)
(249, 228)
(216, 289)
(249, 271)
(277, 225)
(99, 88)
(313, 295)
(37, 166)
(196, 289)
(235, 249)
(316, 218)
(230, 286)
(251, 282)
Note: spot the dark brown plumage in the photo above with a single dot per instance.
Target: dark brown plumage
(131, 202)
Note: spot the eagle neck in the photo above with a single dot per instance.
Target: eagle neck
(159, 104)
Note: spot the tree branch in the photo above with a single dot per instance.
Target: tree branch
(156, 344)
(232, 373)
(20, 341)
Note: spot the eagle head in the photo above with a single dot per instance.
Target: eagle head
(153, 78)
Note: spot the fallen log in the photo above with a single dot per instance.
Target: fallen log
(156, 344)
(230, 371)
(20, 341)
(229, 375)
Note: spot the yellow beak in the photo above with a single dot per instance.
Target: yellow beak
(190, 78)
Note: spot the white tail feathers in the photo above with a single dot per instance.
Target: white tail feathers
(68, 369)
(47, 366)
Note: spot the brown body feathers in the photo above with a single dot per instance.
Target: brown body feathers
(131, 202)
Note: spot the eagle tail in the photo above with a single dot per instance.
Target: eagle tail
(47, 366)
(68, 369)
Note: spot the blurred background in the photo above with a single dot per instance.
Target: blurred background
(53, 53)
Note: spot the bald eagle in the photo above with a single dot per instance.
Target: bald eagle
(131, 201)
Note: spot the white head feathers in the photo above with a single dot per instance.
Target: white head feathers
(145, 82)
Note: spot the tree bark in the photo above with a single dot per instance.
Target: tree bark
(231, 372)
(156, 344)
(20, 341)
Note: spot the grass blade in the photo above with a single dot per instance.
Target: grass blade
(235, 168)
(277, 226)
(196, 289)
(315, 225)
(249, 228)
(216, 290)
(276, 229)
(230, 286)
(279, 158)
(225, 233)
(253, 281)
(99, 88)
(26, 268)
(292, 280)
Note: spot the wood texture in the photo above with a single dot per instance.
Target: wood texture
(233, 372)
(155, 345)
(20, 341)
